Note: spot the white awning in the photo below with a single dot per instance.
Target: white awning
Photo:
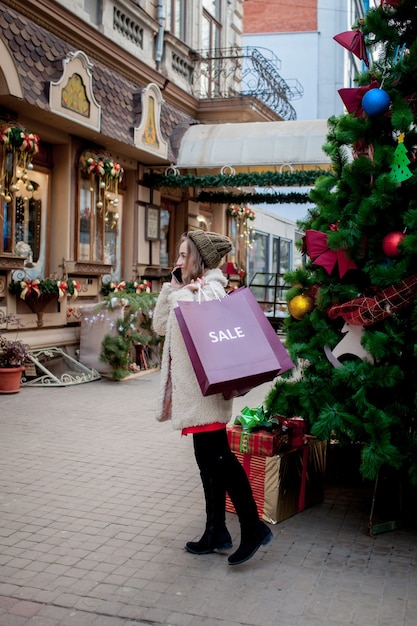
(254, 144)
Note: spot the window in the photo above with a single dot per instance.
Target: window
(258, 265)
(168, 243)
(100, 220)
(164, 256)
(258, 254)
(205, 218)
(211, 42)
(281, 255)
(212, 7)
(23, 218)
(175, 22)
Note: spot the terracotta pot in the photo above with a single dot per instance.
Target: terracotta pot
(10, 379)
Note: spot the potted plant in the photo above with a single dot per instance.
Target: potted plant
(13, 355)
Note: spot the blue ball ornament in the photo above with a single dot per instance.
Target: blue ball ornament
(375, 102)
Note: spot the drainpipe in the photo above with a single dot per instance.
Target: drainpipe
(160, 36)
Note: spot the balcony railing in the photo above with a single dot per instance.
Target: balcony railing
(224, 73)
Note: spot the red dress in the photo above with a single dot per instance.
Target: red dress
(190, 430)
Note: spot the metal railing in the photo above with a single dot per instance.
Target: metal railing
(228, 72)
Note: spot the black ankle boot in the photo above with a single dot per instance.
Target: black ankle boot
(253, 537)
(210, 541)
(216, 536)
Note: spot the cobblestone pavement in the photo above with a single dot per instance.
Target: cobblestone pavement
(97, 501)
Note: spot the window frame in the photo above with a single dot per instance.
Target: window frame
(211, 47)
(176, 15)
(276, 261)
(36, 263)
(98, 223)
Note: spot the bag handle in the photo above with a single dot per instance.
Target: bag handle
(201, 293)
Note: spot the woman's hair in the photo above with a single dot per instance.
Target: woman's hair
(195, 265)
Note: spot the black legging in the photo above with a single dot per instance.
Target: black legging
(217, 462)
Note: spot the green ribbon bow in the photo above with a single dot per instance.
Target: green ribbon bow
(255, 419)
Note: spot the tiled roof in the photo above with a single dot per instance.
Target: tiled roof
(38, 55)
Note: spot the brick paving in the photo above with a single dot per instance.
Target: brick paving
(97, 501)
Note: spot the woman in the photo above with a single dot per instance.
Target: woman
(205, 417)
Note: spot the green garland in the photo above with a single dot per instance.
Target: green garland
(40, 286)
(253, 198)
(252, 179)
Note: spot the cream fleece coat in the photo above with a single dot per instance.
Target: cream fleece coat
(189, 406)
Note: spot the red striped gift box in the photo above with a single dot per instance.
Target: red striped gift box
(260, 442)
(286, 483)
(270, 478)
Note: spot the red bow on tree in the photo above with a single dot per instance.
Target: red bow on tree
(354, 41)
(352, 97)
(319, 251)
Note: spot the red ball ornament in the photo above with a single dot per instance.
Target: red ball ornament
(391, 242)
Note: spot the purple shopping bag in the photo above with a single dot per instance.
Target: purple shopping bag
(232, 345)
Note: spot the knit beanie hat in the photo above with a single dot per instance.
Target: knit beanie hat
(211, 246)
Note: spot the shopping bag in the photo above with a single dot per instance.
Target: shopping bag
(232, 345)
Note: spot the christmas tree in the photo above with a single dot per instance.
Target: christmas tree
(353, 323)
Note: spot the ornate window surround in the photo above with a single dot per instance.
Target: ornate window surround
(76, 63)
(148, 135)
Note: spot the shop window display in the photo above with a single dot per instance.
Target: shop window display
(24, 197)
(100, 213)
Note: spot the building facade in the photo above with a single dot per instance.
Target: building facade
(93, 96)
(96, 98)
(301, 42)
(301, 38)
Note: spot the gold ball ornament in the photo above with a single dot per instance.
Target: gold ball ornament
(300, 306)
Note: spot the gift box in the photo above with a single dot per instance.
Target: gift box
(294, 428)
(255, 432)
(286, 483)
(261, 442)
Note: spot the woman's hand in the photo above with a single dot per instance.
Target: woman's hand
(197, 284)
